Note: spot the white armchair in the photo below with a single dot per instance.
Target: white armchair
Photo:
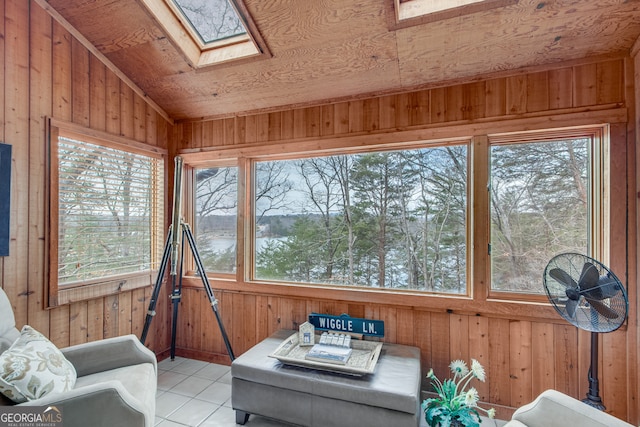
(555, 409)
(115, 385)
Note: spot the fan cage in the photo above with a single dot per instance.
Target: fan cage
(586, 316)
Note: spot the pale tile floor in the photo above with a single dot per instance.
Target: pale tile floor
(198, 394)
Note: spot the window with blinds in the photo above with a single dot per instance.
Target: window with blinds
(108, 202)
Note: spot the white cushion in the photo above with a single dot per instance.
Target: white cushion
(33, 367)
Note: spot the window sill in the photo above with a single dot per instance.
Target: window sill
(82, 291)
(453, 304)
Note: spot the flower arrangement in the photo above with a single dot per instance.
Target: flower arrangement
(455, 405)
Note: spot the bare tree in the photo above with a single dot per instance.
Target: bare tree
(341, 165)
(216, 190)
(272, 187)
(322, 185)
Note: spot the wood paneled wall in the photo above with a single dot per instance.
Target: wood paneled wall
(523, 355)
(49, 72)
(581, 87)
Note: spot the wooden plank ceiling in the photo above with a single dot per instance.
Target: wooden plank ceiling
(326, 50)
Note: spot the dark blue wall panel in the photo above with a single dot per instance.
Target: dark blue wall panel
(5, 197)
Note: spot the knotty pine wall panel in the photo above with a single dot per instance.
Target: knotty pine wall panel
(523, 357)
(15, 268)
(579, 86)
(47, 72)
(40, 106)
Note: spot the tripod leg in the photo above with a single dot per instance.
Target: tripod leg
(207, 287)
(175, 301)
(151, 312)
(176, 297)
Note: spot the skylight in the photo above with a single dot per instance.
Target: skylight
(416, 12)
(209, 32)
(413, 8)
(212, 20)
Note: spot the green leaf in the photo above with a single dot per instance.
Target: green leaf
(467, 419)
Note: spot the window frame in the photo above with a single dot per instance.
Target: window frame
(409, 13)
(599, 188)
(242, 47)
(479, 302)
(88, 289)
(190, 196)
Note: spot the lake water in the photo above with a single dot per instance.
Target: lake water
(223, 244)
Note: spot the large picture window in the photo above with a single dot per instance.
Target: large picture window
(106, 214)
(393, 220)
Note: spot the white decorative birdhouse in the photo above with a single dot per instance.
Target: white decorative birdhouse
(306, 334)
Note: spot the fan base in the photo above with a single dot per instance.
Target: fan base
(595, 402)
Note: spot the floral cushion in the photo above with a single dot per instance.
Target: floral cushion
(32, 367)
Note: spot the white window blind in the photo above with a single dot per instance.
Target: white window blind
(109, 211)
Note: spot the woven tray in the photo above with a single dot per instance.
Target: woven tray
(362, 361)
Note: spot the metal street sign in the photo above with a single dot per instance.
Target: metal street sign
(346, 323)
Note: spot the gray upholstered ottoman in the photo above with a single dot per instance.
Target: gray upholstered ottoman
(389, 397)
